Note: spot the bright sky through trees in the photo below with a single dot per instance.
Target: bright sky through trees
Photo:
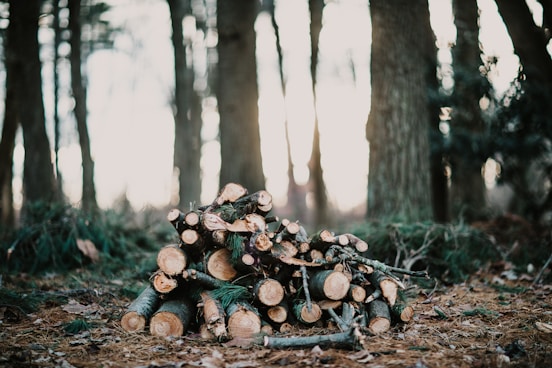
(131, 124)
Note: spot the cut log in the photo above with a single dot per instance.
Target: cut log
(357, 293)
(219, 265)
(402, 312)
(214, 316)
(219, 237)
(278, 313)
(327, 304)
(261, 241)
(231, 192)
(284, 248)
(329, 284)
(379, 317)
(163, 283)
(349, 339)
(357, 243)
(389, 287)
(243, 320)
(212, 222)
(172, 318)
(139, 312)
(269, 292)
(307, 315)
(176, 218)
(192, 219)
(171, 260)
(192, 241)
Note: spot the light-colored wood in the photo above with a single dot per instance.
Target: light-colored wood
(172, 318)
(379, 317)
(269, 292)
(329, 284)
(162, 283)
(305, 314)
(140, 310)
(243, 321)
(172, 260)
(219, 265)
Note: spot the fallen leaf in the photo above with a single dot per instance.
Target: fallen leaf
(88, 248)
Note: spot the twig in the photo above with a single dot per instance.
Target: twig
(541, 272)
(306, 286)
(350, 338)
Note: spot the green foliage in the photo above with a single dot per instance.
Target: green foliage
(47, 239)
(27, 303)
(76, 326)
(448, 251)
(230, 294)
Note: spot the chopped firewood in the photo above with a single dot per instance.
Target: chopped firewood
(316, 254)
(402, 311)
(172, 318)
(192, 219)
(305, 314)
(176, 218)
(356, 293)
(260, 202)
(269, 292)
(243, 320)
(231, 192)
(219, 265)
(171, 260)
(261, 241)
(329, 284)
(388, 286)
(354, 241)
(379, 317)
(163, 283)
(278, 313)
(212, 222)
(284, 248)
(140, 310)
(191, 240)
(203, 279)
(214, 316)
(219, 236)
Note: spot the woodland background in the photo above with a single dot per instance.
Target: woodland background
(442, 146)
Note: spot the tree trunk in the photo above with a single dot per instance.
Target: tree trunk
(89, 203)
(316, 178)
(140, 310)
(399, 120)
(468, 186)
(23, 63)
(7, 145)
(187, 133)
(529, 40)
(238, 95)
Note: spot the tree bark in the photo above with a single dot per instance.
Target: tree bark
(243, 320)
(187, 128)
(89, 203)
(140, 310)
(400, 116)
(172, 260)
(238, 94)
(7, 146)
(23, 63)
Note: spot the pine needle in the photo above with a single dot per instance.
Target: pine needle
(230, 294)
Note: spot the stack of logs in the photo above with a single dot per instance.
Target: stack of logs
(237, 272)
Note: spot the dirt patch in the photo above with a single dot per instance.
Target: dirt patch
(492, 320)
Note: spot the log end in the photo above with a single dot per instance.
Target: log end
(166, 324)
(133, 322)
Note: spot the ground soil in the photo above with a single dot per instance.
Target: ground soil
(494, 319)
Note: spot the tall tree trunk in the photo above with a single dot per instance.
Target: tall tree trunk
(89, 203)
(187, 132)
(316, 179)
(7, 145)
(238, 95)
(468, 186)
(23, 64)
(57, 42)
(398, 125)
(296, 196)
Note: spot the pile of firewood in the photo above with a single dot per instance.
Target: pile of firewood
(237, 272)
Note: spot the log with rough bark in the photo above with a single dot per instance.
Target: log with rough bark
(379, 317)
(349, 339)
(269, 292)
(172, 260)
(214, 316)
(388, 286)
(192, 241)
(139, 312)
(307, 313)
(163, 283)
(329, 284)
(172, 318)
(243, 320)
(278, 313)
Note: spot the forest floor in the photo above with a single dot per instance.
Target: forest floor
(494, 319)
